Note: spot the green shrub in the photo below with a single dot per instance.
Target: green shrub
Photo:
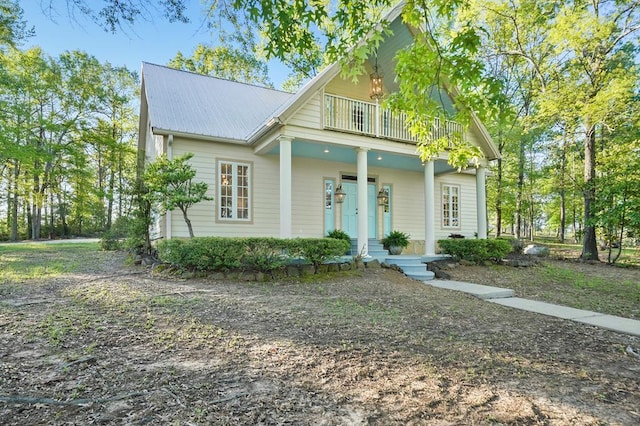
(318, 250)
(116, 237)
(517, 246)
(203, 254)
(137, 230)
(475, 250)
(260, 254)
(265, 254)
(110, 241)
(339, 234)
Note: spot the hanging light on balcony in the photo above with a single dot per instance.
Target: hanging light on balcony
(375, 82)
(339, 194)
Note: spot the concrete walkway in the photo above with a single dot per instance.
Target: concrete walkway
(505, 297)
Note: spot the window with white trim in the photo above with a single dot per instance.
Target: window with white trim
(450, 206)
(234, 191)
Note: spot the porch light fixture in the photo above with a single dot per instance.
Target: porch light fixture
(375, 82)
(339, 194)
(383, 197)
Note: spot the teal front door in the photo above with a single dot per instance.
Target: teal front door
(350, 209)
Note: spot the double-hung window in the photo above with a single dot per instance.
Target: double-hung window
(234, 191)
(450, 206)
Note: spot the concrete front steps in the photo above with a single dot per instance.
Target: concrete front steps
(412, 267)
(374, 247)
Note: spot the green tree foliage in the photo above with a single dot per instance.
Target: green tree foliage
(235, 30)
(170, 185)
(67, 144)
(13, 28)
(618, 203)
(577, 62)
(224, 62)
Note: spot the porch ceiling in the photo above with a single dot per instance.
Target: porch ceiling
(375, 158)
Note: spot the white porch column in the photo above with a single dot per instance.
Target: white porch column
(363, 226)
(481, 199)
(285, 187)
(429, 210)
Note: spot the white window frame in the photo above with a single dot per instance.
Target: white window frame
(233, 210)
(450, 206)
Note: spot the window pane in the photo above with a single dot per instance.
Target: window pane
(234, 190)
(450, 206)
(328, 195)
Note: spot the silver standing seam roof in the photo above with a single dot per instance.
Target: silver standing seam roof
(190, 103)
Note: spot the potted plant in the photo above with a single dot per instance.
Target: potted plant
(396, 241)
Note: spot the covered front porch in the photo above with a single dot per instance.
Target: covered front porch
(363, 212)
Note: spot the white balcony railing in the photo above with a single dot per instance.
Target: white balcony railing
(367, 118)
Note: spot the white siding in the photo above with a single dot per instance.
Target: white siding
(310, 115)
(307, 195)
(407, 200)
(264, 191)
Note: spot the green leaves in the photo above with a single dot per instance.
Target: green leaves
(13, 28)
(224, 62)
(476, 250)
(261, 254)
(67, 128)
(170, 185)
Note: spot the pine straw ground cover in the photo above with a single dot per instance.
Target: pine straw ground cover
(99, 342)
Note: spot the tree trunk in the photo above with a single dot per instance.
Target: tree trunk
(36, 218)
(52, 221)
(188, 222)
(499, 199)
(29, 220)
(63, 214)
(563, 201)
(144, 206)
(112, 178)
(14, 204)
(101, 193)
(574, 217)
(519, 195)
(589, 243)
(120, 182)
(622, 224)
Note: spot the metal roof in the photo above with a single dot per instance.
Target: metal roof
(185, 102)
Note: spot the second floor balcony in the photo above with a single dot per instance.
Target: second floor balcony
(368, 118)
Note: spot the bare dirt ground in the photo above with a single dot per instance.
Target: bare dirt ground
(116, 345)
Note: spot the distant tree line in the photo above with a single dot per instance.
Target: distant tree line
(68, 129)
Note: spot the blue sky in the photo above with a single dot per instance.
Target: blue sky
(155, 40)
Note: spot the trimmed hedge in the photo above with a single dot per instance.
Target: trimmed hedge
(476, 250)
(214, 254)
